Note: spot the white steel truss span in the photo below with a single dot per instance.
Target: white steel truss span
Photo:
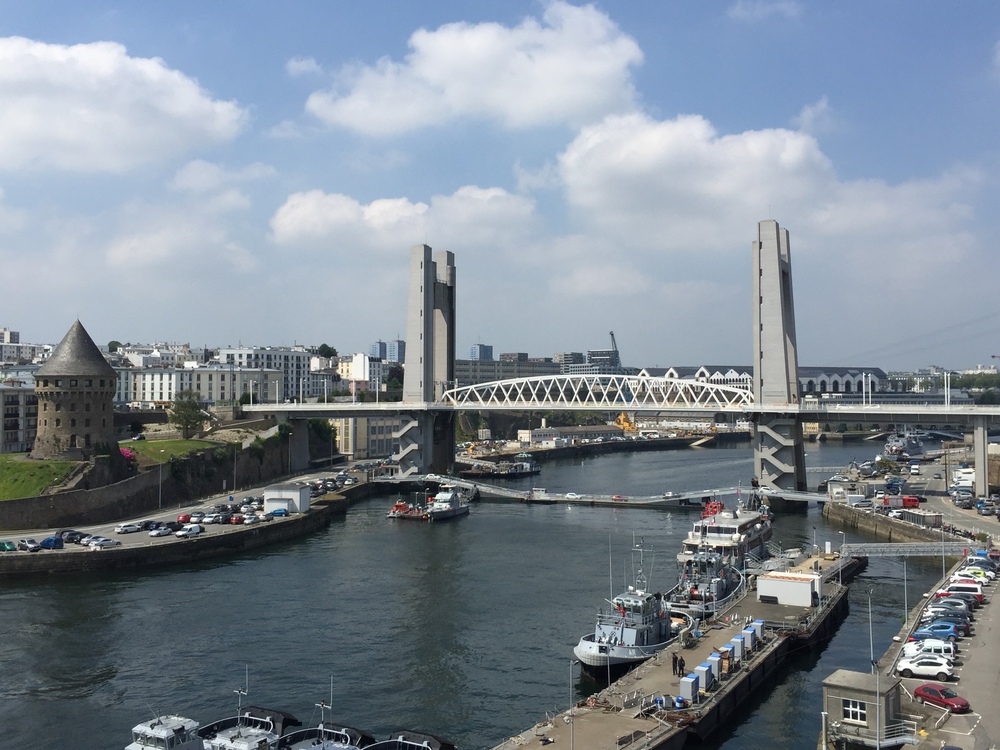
(603, 392)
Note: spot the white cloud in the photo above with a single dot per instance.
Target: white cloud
(816, 119)
(200, 176)
(302, 66)
(92, 107)
(571, 68)
(759, 10)
(11, 219)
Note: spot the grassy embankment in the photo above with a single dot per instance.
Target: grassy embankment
(22, 477)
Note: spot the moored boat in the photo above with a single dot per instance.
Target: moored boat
(639, 625)
(403, 509)
(715, 555)
(447, 503)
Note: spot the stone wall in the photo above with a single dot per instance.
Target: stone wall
(184, 480)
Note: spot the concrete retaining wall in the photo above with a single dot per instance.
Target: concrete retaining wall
(883, 527)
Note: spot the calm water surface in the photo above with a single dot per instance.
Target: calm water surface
(463, 629)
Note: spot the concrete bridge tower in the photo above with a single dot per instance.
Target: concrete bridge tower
(779, 456)
(427, 439)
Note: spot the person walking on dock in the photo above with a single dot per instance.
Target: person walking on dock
(673, 661)
(680, 666)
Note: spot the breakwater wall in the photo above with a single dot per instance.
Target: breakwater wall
(880, 526)
(163, 552)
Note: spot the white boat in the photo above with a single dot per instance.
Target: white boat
(715, 554)
(447, 503)
(168, 731)
(638, 625)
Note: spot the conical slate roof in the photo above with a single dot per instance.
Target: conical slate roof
(76, 355)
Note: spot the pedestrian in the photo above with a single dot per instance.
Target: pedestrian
(680, 666)
(673, 661)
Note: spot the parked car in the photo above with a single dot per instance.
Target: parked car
(160, 531)
(944, 631)
(127, 528)
(937, 475)
(86, 539)
(184, 518)
(72, 537)
(962, 625)
(52, 542)
(941, 695)
(935, 611)
(250, 519)
(7, 546)
(104, 542)
(265, 516)
(150, 525)
(174, 525)
(197, 517)
(934, 646)
(210, 518)
(236, 519)
(926, 665)
(140, 436)
(280, 512)
(28, 545)
(189, 530)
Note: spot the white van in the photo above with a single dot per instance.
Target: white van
(915, 470)
(189, 530)
(930, 646)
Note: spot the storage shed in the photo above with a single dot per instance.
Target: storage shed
(291, 497)
(794, 589)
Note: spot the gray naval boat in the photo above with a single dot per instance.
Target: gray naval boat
(638, 625)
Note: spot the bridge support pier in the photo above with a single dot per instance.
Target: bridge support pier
(980, 456)
(779, 456)
(426, 443)
(298, 445)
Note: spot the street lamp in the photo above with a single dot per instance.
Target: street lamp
(289, 453)
(572, 738)
(840, 570)
(160, 487)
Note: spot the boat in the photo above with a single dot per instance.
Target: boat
(523, 465)
(637, 627)
(447, 503)
(539, 496)
(403, 509)
(716, 554)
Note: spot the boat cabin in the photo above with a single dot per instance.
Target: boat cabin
(166, 733)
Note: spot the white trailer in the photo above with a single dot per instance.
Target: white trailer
(293, 498)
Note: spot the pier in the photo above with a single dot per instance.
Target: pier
(640, 710)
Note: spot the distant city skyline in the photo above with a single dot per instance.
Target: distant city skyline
(181, 172)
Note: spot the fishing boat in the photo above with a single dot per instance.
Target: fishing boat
(447, 503)
(638, 625)
(715, 555)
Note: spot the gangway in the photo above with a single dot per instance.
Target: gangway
(909, 549)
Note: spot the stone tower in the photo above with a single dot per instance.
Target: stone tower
(76, 389)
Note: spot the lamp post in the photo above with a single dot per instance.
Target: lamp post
(572, 663)
(159, 502)
(875, 670)
(840, 569)
(289, 453)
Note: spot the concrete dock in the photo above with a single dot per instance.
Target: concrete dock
(638, 710)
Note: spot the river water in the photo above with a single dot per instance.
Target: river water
(464, 629)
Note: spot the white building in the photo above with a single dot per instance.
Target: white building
(362, 372)
(298, 382)
(156, 388)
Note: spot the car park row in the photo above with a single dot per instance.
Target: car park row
(947, 618)
(247, 511)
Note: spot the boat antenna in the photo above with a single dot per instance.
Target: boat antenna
(323, 705)
(245, 690)
(154, 713)
(611, 575)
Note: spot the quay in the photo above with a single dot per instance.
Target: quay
(639, 710)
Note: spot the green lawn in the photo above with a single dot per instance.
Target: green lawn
(157, 451)
(21, 477)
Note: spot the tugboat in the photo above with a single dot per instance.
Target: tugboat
(639, 625)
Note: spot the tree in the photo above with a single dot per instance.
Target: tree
(395, 374)
(186, 412)
(114, 346)
(327, 351)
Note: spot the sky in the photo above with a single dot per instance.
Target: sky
(256, 173)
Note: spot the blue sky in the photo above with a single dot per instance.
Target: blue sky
(217, 173)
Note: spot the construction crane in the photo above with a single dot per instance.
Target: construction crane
(624, 421)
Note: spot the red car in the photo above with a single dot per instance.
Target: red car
(236, 519)
(939, 695)
(184, 518)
